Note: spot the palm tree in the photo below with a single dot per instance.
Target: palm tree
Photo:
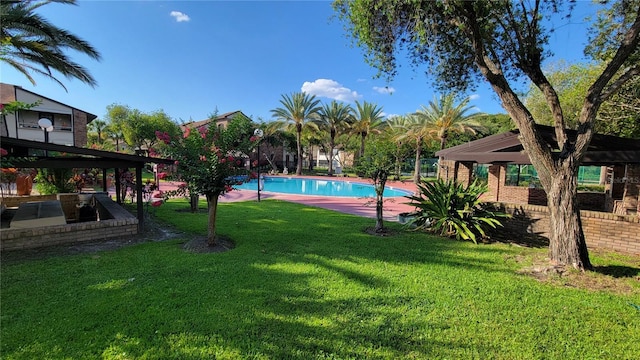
(419, 128)
(114, 131)
(297, 109)
(98, 126)
(445, 117)
(30, 43)
(334, 119)
(368, 119)
(397, 129)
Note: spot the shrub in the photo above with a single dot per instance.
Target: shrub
(450, 209)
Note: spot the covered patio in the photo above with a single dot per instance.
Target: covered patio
(619, 159)
(35, 154)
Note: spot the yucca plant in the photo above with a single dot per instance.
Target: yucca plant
(450, 209)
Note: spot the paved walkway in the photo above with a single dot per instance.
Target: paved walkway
(357, 206)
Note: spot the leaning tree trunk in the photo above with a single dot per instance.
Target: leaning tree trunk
(212, 205)
(567, 244)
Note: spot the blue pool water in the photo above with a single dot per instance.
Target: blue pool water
(318, 187)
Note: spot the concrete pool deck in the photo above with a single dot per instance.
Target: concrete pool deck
(357, 206)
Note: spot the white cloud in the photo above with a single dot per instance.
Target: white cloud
(384, 90)
(474, 97)
(330, 89)
(180, 16)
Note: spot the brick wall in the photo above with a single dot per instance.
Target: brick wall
(79, 128)
(447, 170)
(601, 230)
(115, 222)
(16, 239)
(464, 172)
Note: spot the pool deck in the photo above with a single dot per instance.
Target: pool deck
(357, 206)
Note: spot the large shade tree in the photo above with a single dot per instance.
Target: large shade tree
(334, 119)
(503, 42)
(298, 109)
(140, 128)
(619, 115)
(31, 44)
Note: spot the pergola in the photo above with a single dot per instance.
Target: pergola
(68, 157)
(507, 148)
(621, 157)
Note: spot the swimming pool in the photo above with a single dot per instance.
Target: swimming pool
(319, 187)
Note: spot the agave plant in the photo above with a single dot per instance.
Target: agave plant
(449, 208)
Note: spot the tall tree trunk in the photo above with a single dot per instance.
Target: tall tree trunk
(416, 168)
(331, 146)
(212, 205)
(363, 136)
(299, 149)
(566, 242)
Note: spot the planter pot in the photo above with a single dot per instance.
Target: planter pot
(24, 185)
(404, 218)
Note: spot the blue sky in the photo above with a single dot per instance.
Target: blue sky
(190, 58)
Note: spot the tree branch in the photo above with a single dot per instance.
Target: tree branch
(594, 98)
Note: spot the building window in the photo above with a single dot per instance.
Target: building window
(522, 175)
(29, 120)
(481, 173)
(62, 122)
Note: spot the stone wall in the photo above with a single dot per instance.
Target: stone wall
(601, 230)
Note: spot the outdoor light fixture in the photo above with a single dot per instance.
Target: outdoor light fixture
(258, 133)
(46, 126)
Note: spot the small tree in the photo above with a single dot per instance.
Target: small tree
(377, 162)
(211, 161)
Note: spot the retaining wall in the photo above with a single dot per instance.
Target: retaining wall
(601, 230)
(115, 222)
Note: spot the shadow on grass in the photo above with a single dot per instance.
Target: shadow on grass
(301, 284)
(617, 271)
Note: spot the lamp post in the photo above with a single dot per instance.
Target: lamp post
(258, 133)
(46, 126)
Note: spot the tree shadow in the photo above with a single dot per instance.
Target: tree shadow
(617, 271)
(519, 229)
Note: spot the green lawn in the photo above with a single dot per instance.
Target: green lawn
(308, 283)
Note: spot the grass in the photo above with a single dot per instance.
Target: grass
(308, 283)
